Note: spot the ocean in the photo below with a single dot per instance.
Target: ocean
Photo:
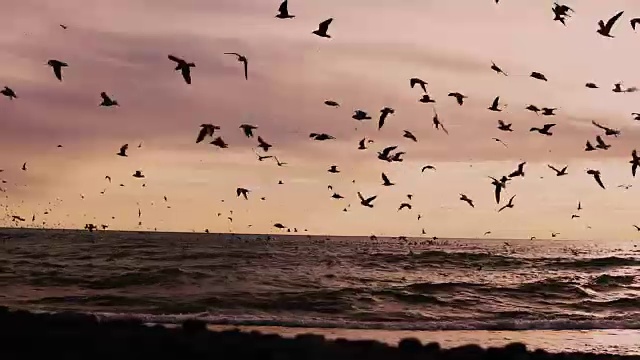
(444, 289)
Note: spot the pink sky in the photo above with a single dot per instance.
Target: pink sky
(121, 47)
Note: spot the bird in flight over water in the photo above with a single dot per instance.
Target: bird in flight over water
(559, 172)
(368, 201)
(509, 205)
(605, 29)
(635, 162)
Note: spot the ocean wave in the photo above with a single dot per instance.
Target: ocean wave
(595, 263)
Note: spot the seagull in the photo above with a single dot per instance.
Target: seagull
(64, 27)
(409, 135)
(634, 22)
(504, 127)
(57, 66)
(499, 185)
(386, 181)
(333, 169)
(248, 129)
(574, 216)
(635, 162)
(8, 92)
(397, 156)
(206, 130)
(386, 111)
(242, 59)
(322, 28)
(601, 144)
(607, 131)
(263, 144)
(589, 147)
(122, 152)
(366, 202)
(219, 143)
(545, 129)
(459, 97)
(559, 172)
(500, 141)
(617, 88)
(533, 108)
(426, 99)
(437, 123)
(107, 101)
(428, 167)
(184, 67)
(138, 174)
(243, 192)
(519, 171)
(331, 103)
(497, 69)
(283, 11)
(596, 176)
(321, 137)
(539, 76)
(509, 205)
(591, 85)
(464, 197)
(384, 154)
(494, 105)
(404, 205)
(362, 143)
(416, 81)
(360, 115)
(337, 196)
(605, 29)
(560, 12)
(548, 111)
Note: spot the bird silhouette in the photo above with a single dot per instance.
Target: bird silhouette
(495, 104)
(574, 216)
(138, 174)
(206, 130)
(437, 123)
(635, 162)
(407, 134)
(519, 171)
(8, 92)
(321, 136)
(333, 169)
(464, 197)
(503, 126)
(243, 192)
(539, 76)
(24, 167)
(283, 11)
(337, 196)
(248, 129)
(601, 144)
(533, 108)
(362, 143)
(107, 101)
(500, 141)
(57, 66)
(417, 81)
(559, 172)
(242, 59)
(322, 28)
(591, 85)
(331, 103)
(384, 154)
(360, 115)
(122, 152)
(459, 97)
(579, 205)
(634, 22)
(548, 111)
(368, 201)
(596, 176)
(426, 99)
(404, 205)
(219, 143)
(279, 226)
(636, 116)
(278, 162)
(498, 186)
(497, 69)
(263, 144)
(397, 156)
(589, 147)
(637, 227)
(184, 67)
(386, 181)
(428, 167)
(607, 130)
(545, 129)
(605, 29)
(108, 178)
(508, 205)
(561, 12)
(386, 111)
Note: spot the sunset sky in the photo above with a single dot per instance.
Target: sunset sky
(121, 47)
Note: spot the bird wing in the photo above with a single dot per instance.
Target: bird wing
(600, 141)
(202, 134)
(233, 53)
(246, 69)
(613, 20)
(371, 199)
(634, 167)
(547, 127)
(283, 7)
(360, 196)
(444, 129)
(383, 116)
(361, 142)
(598, 125)
(104, 96)
(425, 168)
(599, 180)
(175, 58)
(186, 74)
(324, 26)
(262, 142)
(124, 147)
(511, 200)
(634, 22)
(387, 150)
(495, 102)
(497, 193)
(385, 178)
(553, 168)
(57, 70)
(501, 123)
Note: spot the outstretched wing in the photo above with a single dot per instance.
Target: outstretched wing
(613, 20)
(598, 125)
(360, 196)
(495, 102)
(186, 74)
(553, 168)
(599, 180)
(246, 69)
(547, 127)
(371, 198)
(175, 58)
(324, 26)
(385, 178)
(634, 22)
(283, 8)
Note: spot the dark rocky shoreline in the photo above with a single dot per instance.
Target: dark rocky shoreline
(80, 336)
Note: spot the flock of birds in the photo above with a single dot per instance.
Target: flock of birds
(561, 14)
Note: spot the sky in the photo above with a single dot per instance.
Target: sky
(121, 47)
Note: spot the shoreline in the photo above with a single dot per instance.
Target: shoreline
(79, 335)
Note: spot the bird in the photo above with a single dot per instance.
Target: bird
(509, 204)
(404, 205)
(417, 81)
(426, 99)
(494, 104)
(63, 26)
(322, 28)
(533, 108)
(122, 152)
(497, 69)
(331, 103)
(636, 116)
(362, 143)
(637, 227)
(634, 22)
(386, 181)
(437, 123)
(464, 197)
(368, 201)
(8, 92)
(219, 143)
(184, 67)
(206, 130)
(539, 76)
(242, 59)
(337, 196)
(321, 137)
(574, 216)
(386, 111)
(601, 144)
(559, 172)
(589, 147)
(500, 141)
(635, 162)
(107, 101)
(243, 192)
(398, 156)
(360, 115)
(248, 129)
(561, 12)
(407, 134)
(459, 97)
(617, 88)
(262, 158)
(605, 29)
(138, 174)
(591, 85)
(263, 144)
(579, 205)
(333, 169)
(384, 154)
(279, 226)
(278, 162)
(24, 167)
(548, 111)
(428, 167)
(545, 129)
(410, 196)
(519, 171)
(596, 176)
(283, 11)
(607, 130)
(499, 185)
(57, 66)
(503, 126)
(108, 178)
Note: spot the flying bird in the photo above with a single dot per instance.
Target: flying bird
(206, 130)
(386, 181)
(263, 144)
(459, 97)
(333, 169)
(607, 130)
(416, 81)
(219, 143)
(634, 22)
(637, 227)
(596, 176)
(362, 143)
(386, 111)
(360, 115)
(322, 28)
(279, 226)
(437, 123)
(503, 126)
(545, 129)
(494, 104)
(509, 204)
(278, 162)
(107, 101)
(605, 29)
(123, 151)
(548, 111)
(519, 171)
(497, 69)
(589, 146)
(384, 154)
(337, 196)
(500, 141)
(636, 116)
(635, 162)
(426, 99)
(321, 136)
(184, 67)
(331, 103)
(57, 66)
(243, 192)
(404, 205)
(138, 174)
(8, 92)
(539, 76)
(498, 186)
(248, 129)
(601, 144)
(242, 59)
(283, 11)
(366, 202)
(428, 167)
(559, 172)
(108, 178)
(409, 135)
(464, 197)
(533, 108)
(24, 167)
(591, 85)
